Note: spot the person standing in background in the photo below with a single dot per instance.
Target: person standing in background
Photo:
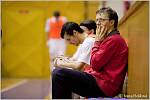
(56, 44)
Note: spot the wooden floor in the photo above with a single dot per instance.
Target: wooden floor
(25, 89)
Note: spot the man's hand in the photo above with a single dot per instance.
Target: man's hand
(101, 32)
(60, 60)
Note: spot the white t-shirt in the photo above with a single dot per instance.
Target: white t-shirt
(83, 53)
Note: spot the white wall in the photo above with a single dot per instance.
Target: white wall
(117, 6)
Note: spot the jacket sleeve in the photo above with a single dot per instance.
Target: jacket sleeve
(102, 53)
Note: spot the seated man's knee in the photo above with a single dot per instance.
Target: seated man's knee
(58, 72)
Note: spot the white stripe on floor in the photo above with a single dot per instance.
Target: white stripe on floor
(13, 86)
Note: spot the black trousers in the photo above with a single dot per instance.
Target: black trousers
(65, 81)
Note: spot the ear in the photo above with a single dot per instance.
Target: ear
(112, 22)
(92, 31)
(74, 32)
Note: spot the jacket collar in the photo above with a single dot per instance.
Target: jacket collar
(113, 32)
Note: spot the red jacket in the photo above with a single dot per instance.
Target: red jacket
(108, 64)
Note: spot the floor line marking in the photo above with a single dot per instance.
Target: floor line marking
(13, 86)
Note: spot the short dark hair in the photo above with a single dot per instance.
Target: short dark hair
(68, 28)
(56, 13)
(90, 24)
(112, 14)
